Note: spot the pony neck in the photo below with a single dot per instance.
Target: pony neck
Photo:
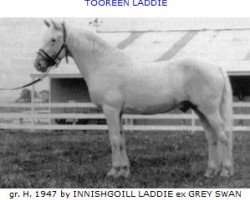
(88, 50)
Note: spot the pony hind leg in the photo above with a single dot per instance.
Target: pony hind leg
(223, 140)
(213, 165)
(120, 162)
(226, 153)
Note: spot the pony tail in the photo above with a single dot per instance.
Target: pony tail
(226, 109)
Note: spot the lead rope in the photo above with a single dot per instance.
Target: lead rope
(29, 84)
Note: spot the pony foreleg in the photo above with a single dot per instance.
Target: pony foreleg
(120, 163)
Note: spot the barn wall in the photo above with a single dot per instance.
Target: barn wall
(64, 90)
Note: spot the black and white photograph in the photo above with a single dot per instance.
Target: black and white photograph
(124, 102)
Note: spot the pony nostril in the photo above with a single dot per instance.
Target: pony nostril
(42, 63)
(38, 65)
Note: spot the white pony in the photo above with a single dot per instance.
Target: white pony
(120, 85)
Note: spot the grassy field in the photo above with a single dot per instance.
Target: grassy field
(77, 159)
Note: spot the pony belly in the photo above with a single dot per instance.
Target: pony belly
(145, 102)
(149, 109)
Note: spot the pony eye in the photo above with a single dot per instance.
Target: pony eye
(53, 40)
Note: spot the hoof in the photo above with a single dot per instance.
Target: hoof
(227, 172)
(211, 172)
(117, 172)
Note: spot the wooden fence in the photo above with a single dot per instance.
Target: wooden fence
(78, 116)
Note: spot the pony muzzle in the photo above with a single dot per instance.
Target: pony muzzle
(41, 65)
(47, 58)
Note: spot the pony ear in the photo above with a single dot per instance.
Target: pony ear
(55, 25)
(46, 23)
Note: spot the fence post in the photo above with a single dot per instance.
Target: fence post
(193, 121)
(50, 97)
(32, 105)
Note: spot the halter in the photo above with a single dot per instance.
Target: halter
(55, 60)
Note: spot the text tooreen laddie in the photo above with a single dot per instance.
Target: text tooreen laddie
(114, 3)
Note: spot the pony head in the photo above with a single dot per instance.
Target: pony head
(54, 47)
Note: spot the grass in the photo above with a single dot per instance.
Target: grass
(76, 159)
